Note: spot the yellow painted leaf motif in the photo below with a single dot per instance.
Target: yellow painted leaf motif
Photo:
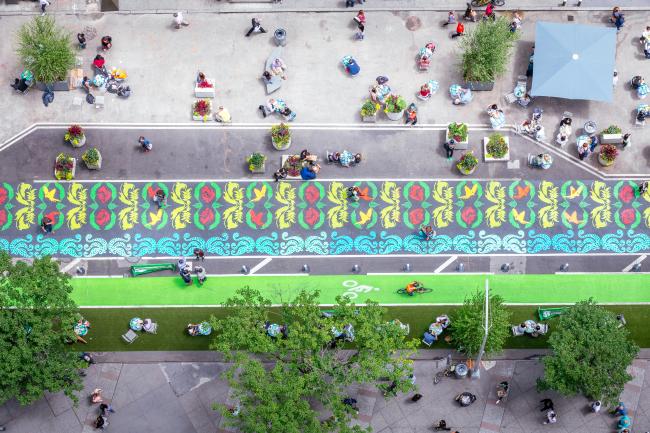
(155, 218)
(601, 215)
(181, 195)
(128, 216)
(390, 215)
(337, 215)
(234, 215)
(548, 215)
(285, 216)
(25, 195)
(646, 211)
(76, 217)
(495, 214)
(443, 194)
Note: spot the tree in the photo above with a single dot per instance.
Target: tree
(590, 354)
(486, 50)
(468, 321)
(45, 49)
(36, 317)
(279, 382)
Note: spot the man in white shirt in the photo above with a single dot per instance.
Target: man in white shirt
(178, 20)
(44, 4)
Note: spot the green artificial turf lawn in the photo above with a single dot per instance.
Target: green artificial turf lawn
(108, 324)
(447, 289)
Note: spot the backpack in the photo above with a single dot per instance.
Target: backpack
(90, 99)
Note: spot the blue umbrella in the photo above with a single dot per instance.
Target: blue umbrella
(574, 61)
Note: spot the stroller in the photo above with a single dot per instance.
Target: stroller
(350, 65)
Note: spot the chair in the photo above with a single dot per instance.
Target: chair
(543, 328)
(428, 339)
(517, 331)
(130, 336)
(149, 326)
(510, 98)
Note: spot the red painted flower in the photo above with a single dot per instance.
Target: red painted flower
(628, 216)
(312, 216)
(206, 216)
(416, 192)
(256, 217)
(626, 194)
(102, 217)
(416, 216)
(468, 215)
(104, 194)
(3, 195)
(3, 217)
(207, 194)
(151, 191)
(312, 194)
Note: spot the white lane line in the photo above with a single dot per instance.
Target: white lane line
(338, 179)
(69, 266)
(447, 262)
(631, 265)
(302, 274)
(429, 273)
(260, 265)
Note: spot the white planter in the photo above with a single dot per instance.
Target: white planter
(371, 119)
(488, 158)
(603, 162)
(96, 166)
(204, 92)
(395, 116)
(288, 145)
(467, 173)
(81, 142)
(463, 145)
(611, 138)
(74, 168)
(199, 118)
(262, 168)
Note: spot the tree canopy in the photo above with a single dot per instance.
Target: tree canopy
(281, 382)
(590, 354)
(36, 317)
(468, 321)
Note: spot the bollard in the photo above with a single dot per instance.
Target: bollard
(460, 267)
(81, 270)
(505, 267)
(356, 269)
(636, 267)
(579, 3)
(305, 268)
(564, 267)
(407, 267)
(244, 269)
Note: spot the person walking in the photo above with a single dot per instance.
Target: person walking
(547, 404)
(46, 224)
(256, 27)
(360, 18)
(595, 406)
(44, 4)
(201, 276)
(470, 14)
(451, 18)
(82, 41)
(145, 144)
(199, 254)
(105, 408)
(551, 417)
(107, 42)
(489, 12)
(179, 21)
(450, 147)
(360, 34)
(460, 30)
(643, 188)
(626, 140)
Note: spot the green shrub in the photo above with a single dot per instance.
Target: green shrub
(467, 162)
(395, 104)
(457, 131)
(45, 49)
(91, 156)
(497, 146)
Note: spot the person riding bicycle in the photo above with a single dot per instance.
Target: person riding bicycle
(413, 287)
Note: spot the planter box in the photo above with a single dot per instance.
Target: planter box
(395, 116)
(199, 118)
(462, 145)
(288, 145)
(204, 92)
(81, 142)
(284, 160)
(74, 168)
(611, 138)
(96, 166)
(480, 86)
(467, 173)
(371, 119)
(603, 162)
(262, 169)
(488, 158)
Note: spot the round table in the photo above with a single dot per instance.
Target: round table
(205, 328)
(435, 329)
(530, 326)
(590, 127)
(80, 329)
(273, 330)
(136, 324)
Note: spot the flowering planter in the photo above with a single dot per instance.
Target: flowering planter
(204, 118)
(278, 147)
(371, 119)
(460, 145)
(259, 170)
(395, 116)
(204, 92)
(95, 166)
(489, 158)
(604, 162)
(81, 142)
(467, 172)
(73, 170)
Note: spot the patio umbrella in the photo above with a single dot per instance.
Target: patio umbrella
(574, 61)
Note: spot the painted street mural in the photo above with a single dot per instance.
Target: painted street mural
(289, 218)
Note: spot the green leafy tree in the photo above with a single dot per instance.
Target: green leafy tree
(486, 50)
(36, 317)
(45, 49)
(279, 383)
(468, 322)
(590, 354)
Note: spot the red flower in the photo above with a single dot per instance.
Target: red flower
(628, 216)
(312, 216)
(207, 194)
(626, 194)
(3, 217)
(416, 216)
(468, 215)
(102, 217)
(312, 194)
(104, 194)
(416, 193)
(206, 216)
(3, 195)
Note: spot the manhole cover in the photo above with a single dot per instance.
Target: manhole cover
(413, 23)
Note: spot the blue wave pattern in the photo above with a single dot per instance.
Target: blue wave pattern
(373, 243)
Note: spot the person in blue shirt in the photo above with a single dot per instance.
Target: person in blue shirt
(309, 172)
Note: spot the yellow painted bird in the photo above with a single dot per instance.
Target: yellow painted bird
(572, 217)
(50, 194)
(520, 217)
(574, 192)
(365, 217)
(259, 193)
(469, 192)
(155, 217)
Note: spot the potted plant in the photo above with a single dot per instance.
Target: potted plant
(256, 162)
(281, 136)
(612, 135)
(467, 163)
(369, 111)
(394, 107)
(75, 136)
(92, 158)
(460, 133)
(64, 167)
(201, 110)
(485, 53)
(496, 148)
(607, 154)
(204, 89)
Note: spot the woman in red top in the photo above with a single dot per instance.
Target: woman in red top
(360, 18)
(460, 29)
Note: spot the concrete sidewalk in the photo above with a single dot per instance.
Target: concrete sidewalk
(176, 397)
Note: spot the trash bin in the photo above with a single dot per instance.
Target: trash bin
(280, 37)
(461, 371)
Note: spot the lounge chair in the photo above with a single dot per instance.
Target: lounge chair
(130, 336)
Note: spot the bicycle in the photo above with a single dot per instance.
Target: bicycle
(418, 289)
(478, 3)
(447, 372)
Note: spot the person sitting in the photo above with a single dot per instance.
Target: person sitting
(201, 276)
(124, 91)
(287, 114)
(280, 174)
(107, 43)
(100, 64)
(20, 85)
(428, 338)
(462, 97)
(442, 424)
(222, 115)
(424, 62)
(307, 157)
(186, 276)
(267, 77)
(200, 78)
(278, 68)
(443, 320)
(411, 115)
(637, 81)
(85, 84)
(147, 324)
(427, 232)
(192, 329)
(309, 172)
(160, 198)
(425, 92)
(96, 396)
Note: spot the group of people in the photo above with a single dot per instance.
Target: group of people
(101, 422)
(277, 106)
(435, 329)
(360, 21)
(185, 269)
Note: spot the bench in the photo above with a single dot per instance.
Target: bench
(611, 138)
(276, 81)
